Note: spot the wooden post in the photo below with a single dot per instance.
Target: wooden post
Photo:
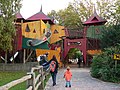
(42, 79)
(6, 57)
(24, 53)
(29, 56)
(115, 65)
(31, 82)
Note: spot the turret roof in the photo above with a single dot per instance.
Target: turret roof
(95, 19)
(19, 16)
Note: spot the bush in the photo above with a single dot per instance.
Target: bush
(103, 66)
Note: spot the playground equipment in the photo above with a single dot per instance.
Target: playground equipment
(41, 34)
(45, 37)
(88, 38)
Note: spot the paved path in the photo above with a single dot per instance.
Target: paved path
(81, 80)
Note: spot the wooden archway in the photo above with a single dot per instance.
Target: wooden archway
(75, 43)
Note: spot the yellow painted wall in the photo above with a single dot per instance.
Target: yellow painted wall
(38, 26)
(43, 26)
(51, 53)
(56, 37)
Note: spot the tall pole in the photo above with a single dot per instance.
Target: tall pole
(24, 51)
(6, 57)
(24, 54)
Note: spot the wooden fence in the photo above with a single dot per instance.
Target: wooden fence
(35, 80)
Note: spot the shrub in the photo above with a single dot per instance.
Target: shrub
(103, 66)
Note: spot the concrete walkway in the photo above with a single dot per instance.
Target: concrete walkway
(81, 80)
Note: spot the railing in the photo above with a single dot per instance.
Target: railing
(35, 80)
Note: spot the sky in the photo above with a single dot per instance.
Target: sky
(31, 7)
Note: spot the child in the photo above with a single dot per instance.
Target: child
(68, 76)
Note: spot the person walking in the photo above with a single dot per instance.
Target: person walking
(54, 69)
(79, 62)
(80, 59)
(53, 66)
(68, 76)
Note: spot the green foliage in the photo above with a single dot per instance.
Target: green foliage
(74, 53)
(103, 66)
(80, 10)
(110, 36)
(72, 16)
(8, 9)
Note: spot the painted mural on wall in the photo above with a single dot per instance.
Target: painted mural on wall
(57, 32)
(35, 34)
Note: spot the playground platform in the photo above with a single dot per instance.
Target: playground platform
(81, 80)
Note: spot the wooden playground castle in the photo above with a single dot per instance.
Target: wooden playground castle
(39, 34)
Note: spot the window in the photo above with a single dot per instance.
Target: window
(27, 29)
(55, 32)
(34, 31)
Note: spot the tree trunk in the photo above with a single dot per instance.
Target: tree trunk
(6, 57)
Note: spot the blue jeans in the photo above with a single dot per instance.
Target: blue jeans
(68, 84)
(54, 78)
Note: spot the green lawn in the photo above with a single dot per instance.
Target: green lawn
(6, 77)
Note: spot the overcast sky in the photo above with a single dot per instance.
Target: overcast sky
(31, 7)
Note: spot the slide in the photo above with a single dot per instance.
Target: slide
(41, 40)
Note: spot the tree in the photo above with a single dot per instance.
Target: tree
(74, 53)
(72, 16)
(110, 36)
(8, 9)
(117, 15)
(80, 10)
(75, 14)
(53, 14)
(107, 9)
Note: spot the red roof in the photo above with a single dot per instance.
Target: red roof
(19, 16)
(39, 16)
(94, 19)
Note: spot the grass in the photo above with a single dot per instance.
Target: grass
(6, 77)
(21, 86)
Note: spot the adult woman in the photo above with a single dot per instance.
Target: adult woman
(54, 69)
(53, 64)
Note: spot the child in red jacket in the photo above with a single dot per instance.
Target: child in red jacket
(68, 76)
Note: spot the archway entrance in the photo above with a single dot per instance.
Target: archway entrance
(79, 44)
(73, 58)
